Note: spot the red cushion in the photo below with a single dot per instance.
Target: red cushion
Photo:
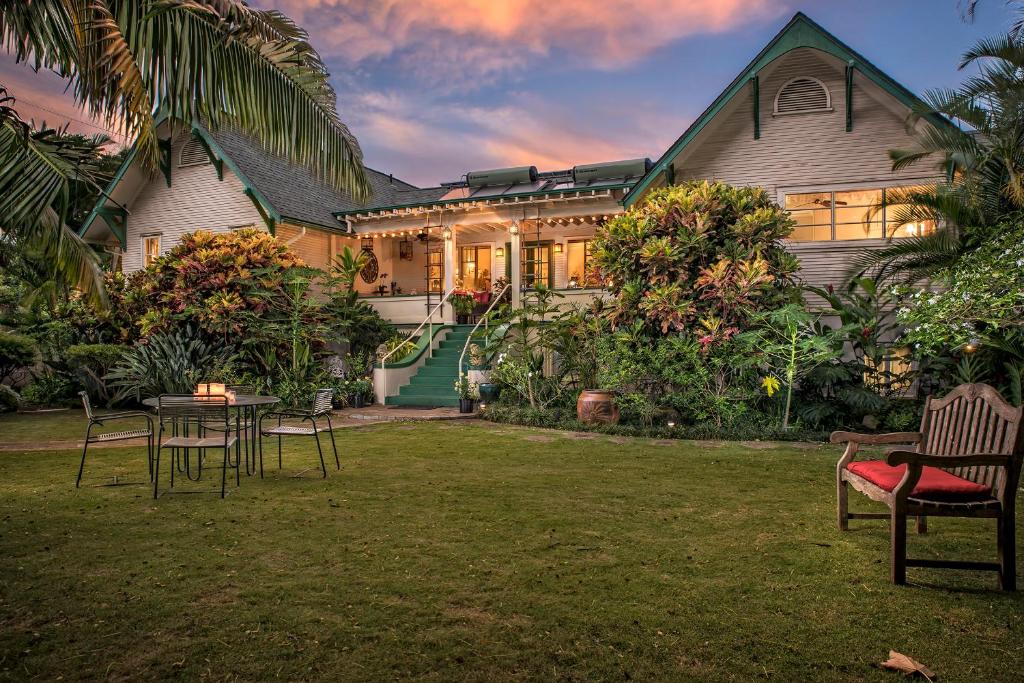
(934, 484)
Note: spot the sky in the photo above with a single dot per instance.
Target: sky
(436, 88)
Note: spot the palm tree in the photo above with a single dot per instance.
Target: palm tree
(983, 163)
(133, 63)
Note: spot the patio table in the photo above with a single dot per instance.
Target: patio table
(245, 408)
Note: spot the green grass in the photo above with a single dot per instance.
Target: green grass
(55, 425)
(481, 552)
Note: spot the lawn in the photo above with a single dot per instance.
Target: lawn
(477, 552)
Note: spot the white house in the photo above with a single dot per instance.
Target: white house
(809, 119)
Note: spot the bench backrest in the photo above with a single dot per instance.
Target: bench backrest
(974, 418)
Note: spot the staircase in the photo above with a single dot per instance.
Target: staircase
(433, 385)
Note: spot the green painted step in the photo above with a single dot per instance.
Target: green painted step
(421, 401)
(431, 386)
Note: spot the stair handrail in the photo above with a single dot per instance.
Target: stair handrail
(428, 321)
(485, 318)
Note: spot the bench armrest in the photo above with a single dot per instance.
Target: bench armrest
(872, 439)
(899, 457)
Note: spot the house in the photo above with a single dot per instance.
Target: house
(809, 119)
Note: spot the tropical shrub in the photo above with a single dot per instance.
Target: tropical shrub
(699, 257)
(976, 315)
(218, 283)
(92, 362)
(869, 372)
(49, 389)
(16, 352)
(167, 363)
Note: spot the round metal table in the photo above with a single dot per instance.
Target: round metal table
(245, 408)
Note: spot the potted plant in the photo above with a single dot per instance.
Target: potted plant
(362, 390)
(467, 392)
(463, 304)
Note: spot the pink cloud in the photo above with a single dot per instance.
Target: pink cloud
(490, 38)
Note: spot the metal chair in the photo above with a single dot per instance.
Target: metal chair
(181, 413)
(321, 409)
(98, 420)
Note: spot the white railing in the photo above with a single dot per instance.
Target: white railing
(429, 322)
(485, 318)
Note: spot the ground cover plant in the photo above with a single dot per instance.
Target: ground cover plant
(543, 556)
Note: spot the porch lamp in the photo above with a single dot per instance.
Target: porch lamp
(447, 233)
(500, 252)
(558, 247)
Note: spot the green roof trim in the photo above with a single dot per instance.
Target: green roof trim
(269, 213)
(466, 200)
(107, 191)
(800, 32)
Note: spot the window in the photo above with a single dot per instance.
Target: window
(435, 269)
(802, 95)
(475, 267)
(150, 249)
(192, 154)
(534, 264)
(891, 374)
(578, 265)
(849, 215)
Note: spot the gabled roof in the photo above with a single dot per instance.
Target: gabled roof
(800, 32)
(283, 191)
(293, 191)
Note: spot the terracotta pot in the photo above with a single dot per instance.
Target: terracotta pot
(597, 406)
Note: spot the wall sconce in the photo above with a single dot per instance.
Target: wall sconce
(447, 233)
(500, 252)
(558, 248)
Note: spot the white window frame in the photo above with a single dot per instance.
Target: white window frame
(888, 184)
(828, 98)
(159, 247)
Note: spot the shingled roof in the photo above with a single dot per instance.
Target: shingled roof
(295, 193)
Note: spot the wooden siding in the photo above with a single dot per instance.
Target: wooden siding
(801, 152)
(196, 200)
(314, 247)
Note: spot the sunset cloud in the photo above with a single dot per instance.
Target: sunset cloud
(488, 39)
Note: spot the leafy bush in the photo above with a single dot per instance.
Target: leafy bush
(166, 363)
(92, 362)
(698, 257)
(49, 389)
(16, 351)
(9, 399)
(217, 282)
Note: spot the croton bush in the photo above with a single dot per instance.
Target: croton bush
(701, 257)
(214, 280)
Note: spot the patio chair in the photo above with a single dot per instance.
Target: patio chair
(320, 410)
(964, 462)
(181, 414)
(98, 420)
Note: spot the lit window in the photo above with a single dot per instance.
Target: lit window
(150, 250)
(475, 268)
(578, 264)
(892, 374)
(849, 215)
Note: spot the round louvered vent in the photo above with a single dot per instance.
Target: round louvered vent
(801, 95)
(193, 154)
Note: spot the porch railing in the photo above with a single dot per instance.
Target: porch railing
(429, 323)
(485, 319)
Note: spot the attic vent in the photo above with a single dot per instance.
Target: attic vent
(193, 154)
(801, 95)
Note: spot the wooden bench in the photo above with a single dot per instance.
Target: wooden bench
(964, 462)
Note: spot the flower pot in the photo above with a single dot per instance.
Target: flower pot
(489, 392)
(466, 405)
(461, 318)
(597, 407)
(358, 401)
